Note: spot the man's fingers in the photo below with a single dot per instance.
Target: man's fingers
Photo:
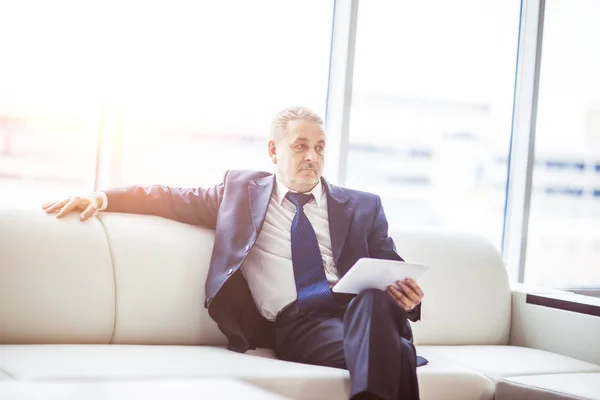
(88, 204)
(67, 208)
(88, 212)
(415, 287)
(400, 298)
(414, 297)
(390, 290)
(55, 206)
(46, 205)
(392, 295)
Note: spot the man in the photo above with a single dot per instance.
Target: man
(281, 242)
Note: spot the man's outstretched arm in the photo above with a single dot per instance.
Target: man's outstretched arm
(192, 206)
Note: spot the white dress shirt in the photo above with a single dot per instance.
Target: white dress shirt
(268, 267)
(104, 198)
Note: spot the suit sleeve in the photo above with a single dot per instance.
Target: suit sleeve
(191, 206)
(382, 246)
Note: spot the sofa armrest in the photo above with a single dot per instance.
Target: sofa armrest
(556, 320)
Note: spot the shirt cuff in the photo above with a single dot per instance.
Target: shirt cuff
(104, 198)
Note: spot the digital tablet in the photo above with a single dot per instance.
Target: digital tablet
(368, 273)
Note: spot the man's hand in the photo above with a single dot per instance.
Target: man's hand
(407, 294)
(89, 204)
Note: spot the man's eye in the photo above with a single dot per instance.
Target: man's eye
(299, 147)
(319, 149)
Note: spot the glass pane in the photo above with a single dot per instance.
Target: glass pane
(197, 95)
(49, 108)
(563, 248)
(431, 110)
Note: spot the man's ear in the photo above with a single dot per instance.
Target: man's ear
(273, 151)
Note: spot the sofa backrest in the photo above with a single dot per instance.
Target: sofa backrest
(140, 280)
(467, 293)
(126, 279)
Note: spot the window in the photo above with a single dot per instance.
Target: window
(49, 109)
(431, 110)
(563, 247)
(104, 94)
(200, 92)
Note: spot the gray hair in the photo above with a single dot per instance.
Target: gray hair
(280, 122)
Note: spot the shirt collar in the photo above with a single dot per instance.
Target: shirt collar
(281, 190)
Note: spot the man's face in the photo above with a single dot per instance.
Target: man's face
(299, 155)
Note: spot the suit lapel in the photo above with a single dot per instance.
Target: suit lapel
(340, 216)
(259, 194)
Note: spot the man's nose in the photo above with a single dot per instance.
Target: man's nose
(311, 155)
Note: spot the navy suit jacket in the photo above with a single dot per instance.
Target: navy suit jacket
(236, 210)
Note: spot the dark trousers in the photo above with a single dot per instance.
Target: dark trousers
(370, 338)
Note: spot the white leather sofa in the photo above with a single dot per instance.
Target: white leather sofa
(121, 297)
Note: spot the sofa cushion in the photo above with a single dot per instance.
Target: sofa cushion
(467, 293)
(550, 387)
(440, 379)
(444, 380)
(498, 362)
(57, 283)
(160, 267)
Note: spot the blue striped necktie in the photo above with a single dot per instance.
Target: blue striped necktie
(311, 283)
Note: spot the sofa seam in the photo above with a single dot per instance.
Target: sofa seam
(11, 376)
(114, 273)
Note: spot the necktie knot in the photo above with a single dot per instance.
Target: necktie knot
(299, 199)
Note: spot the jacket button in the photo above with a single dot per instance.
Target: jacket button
(229, 271)
(246, 248)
